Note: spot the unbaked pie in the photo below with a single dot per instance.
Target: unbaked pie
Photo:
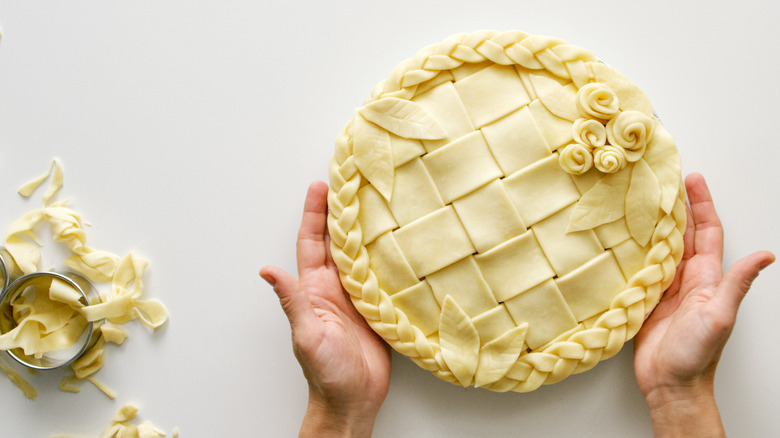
(506, 209)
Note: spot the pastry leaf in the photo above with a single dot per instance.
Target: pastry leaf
(629, 95)
(603, 203)
(558, 99)
(498, 355)
(403, 118)
(642, 201)
(664, 160)
(373, 155)
(459, 341)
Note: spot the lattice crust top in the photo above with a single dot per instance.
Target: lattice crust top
(506, 210)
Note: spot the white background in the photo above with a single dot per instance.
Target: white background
(189, 131)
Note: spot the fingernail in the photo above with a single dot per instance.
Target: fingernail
(269, 279)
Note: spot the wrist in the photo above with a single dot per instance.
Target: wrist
(326, 419)
(685, 411)
(663, 394)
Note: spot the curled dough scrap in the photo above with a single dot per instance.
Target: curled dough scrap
(66, 227)
(29, 187)
(90, 362)
(49, 323)
(123, 303)
(122, 428)
(55, 320)
(19, 381)
(597, 100)
(576, 159)
(22, 243)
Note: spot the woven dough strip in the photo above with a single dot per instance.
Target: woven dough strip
(573, 352)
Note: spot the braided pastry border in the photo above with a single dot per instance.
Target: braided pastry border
(573, 352)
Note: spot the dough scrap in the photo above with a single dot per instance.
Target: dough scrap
(19, 381)
(46, 318)
(29, 187)
(122, 428)
(54, 318)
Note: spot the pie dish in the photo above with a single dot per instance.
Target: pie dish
(506, 210)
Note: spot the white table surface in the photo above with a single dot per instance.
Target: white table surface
(189, 131)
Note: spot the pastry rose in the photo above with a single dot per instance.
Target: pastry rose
(609, 159)
(597, 100)
(631, 130)
(576, 159)
(588, 132)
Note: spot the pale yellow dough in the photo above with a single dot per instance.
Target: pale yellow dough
(47, 318)
(513, 215)
(55, 318)
(122, 426)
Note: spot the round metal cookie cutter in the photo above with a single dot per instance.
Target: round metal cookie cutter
(59, 358)
(3, 273)
(9, 270)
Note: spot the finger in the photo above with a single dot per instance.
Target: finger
(689, 249)
(709, 231)
(329, 262)
(312, 251)
(738, 280)
(674, 288)
(295, 303)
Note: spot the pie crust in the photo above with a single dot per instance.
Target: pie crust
(506, 210)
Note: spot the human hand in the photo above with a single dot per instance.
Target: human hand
(346, 364)
(678, 347)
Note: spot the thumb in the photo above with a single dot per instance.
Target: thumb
(740, 276)
(294, 301)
